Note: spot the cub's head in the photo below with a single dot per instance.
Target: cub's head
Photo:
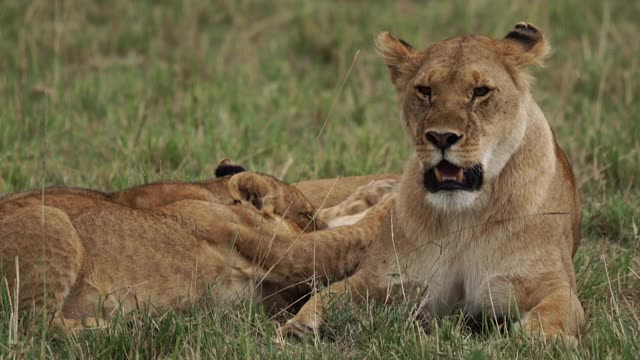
(268, 194)
(275, 198)
(464, 106)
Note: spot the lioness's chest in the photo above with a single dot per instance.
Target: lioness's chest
(455, 269)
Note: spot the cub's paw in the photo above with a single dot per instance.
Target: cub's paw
(373, 192)
(356, 206)
(76, 326)
(296, 329)
(366, 196)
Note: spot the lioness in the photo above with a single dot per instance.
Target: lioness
(487, 216)
(82, 253)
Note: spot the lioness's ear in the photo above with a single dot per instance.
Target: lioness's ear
(228, 167)
(400, 57)
(525, 45)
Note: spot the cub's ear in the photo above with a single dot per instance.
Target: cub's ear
(249, 187)
(525, 45)
(401, 58)
(257, 189)
(228, 167)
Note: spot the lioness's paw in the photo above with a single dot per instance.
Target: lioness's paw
(530, 328)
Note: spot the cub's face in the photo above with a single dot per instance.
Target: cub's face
(275, 198)
(462, 103)
(295, 207)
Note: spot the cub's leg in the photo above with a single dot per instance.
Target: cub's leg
(41, 256)
(333, 253)
(355, 206)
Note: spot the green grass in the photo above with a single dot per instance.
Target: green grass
(118, 93)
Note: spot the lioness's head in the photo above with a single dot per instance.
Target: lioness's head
(463, 102)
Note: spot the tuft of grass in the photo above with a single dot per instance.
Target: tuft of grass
(131, 92)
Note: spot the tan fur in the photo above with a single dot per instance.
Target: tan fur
(87, 254)
(506, 248)
(325, 193)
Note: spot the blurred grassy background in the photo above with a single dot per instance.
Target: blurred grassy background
(109, 94)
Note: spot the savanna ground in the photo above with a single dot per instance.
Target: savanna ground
(112, 94)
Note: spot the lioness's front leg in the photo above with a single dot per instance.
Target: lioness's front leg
(546, 303)
(558, 315)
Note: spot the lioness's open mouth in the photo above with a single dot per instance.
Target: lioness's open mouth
(447, 176)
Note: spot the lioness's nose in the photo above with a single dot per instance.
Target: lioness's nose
(442, 140)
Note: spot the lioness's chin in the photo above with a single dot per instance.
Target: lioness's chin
(452, 199)
(451, 187)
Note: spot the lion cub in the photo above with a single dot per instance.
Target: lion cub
(83, 253)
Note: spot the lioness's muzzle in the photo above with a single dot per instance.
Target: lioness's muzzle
(448, 177)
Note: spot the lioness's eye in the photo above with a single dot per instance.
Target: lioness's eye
(480, 91)
(424, 92)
